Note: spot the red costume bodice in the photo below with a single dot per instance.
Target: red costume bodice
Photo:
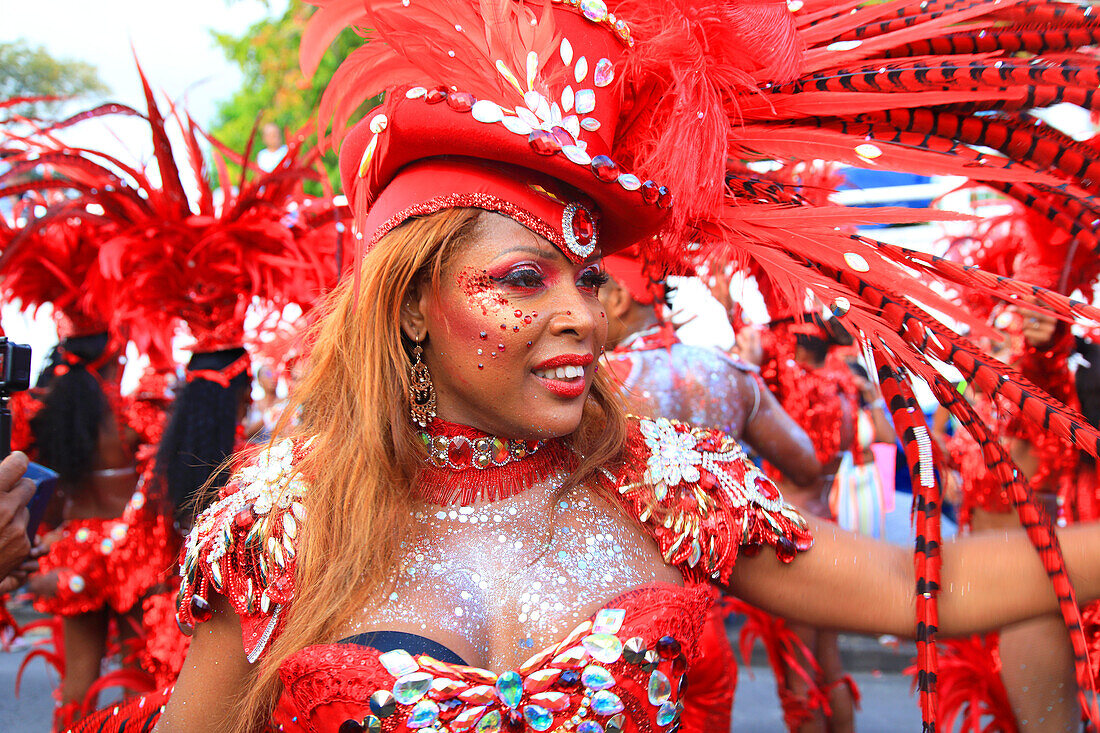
(621, 669)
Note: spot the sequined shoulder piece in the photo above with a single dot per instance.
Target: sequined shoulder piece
(244, 547)
(702, 499)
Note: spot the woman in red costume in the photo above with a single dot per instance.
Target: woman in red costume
(1038, 693)
(465, 533)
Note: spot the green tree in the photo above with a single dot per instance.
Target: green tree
(33, 72)
(274, 88)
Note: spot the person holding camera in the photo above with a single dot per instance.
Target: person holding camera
(15, 545)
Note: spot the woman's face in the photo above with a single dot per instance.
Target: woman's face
(513, 332)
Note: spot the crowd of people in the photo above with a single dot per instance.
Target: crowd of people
(480, 484)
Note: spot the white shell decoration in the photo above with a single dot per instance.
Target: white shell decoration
(416, 93)
(590, 123)
(567, 98)
(572, 124)
(555, 114)
(486, 111)
(531, 99)
(517, 126)
(528, 116)
(580, 71)
(378, 123)
(576, 154)
(566, 51)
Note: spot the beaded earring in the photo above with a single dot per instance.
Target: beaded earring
(421, 390)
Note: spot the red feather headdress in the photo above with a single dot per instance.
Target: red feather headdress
(171, 259)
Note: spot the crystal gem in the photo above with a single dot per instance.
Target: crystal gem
(200, 609)
(510, 688)
(597, 678)
(412, 687)
(572, 123)
(562, 136)
(513, 721)
(499, 451)
(634, 650)
(590, 726)
(605, 702)
(668, 647)
(467, 718)
(487, 112)
(566, 51)
(604, 648)
(590, 123)
(436, 95)
(351, 726)
(290, 525)
(382, 704)
(538, 717)
(490, 723)
(616, 724)
(556, 701)
(650, 192)
(445, 689)
(841, 306)
(649, 661)
(667, 713)
(567, 98)
(609, 621)
(459, 451)
(604, 73)
(660, 689)
(541, 680)
(516, 125)
(423, 714)
(543, 143)
(82, 534)
(577, 154)
(584, 101)
(664, 197)
(106, 545)
(583, 226)
(460, 101)
(569, 679)
(478, 695)
(605, 169)
(416, 93)
(630, 182)
(244, 518)
(371, 724)
(378, 123)
(868, 151)
(595, 10)
(767, 489)
(571, 657)
(398, 662)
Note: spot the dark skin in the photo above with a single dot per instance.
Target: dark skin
(771, 432)
(844, 582)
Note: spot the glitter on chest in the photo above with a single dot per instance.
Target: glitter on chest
(514, 575)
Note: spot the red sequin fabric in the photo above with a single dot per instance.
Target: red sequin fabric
(814, 398)
(110, 562)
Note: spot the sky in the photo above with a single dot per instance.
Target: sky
(173, 42)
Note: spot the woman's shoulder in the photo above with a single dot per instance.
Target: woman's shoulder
(244, 546)
(702, 499)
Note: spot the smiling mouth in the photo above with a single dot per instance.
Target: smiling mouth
(561, 373)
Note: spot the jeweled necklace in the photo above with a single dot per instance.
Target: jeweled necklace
(464, 465)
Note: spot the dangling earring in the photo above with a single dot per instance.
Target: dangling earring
(421, 390)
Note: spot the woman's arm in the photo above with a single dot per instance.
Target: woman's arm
(778, 439)
(854, 583)
(214, 674)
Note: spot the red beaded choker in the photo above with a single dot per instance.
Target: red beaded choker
(464, 465)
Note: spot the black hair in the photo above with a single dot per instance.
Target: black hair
(66, 429)
(202, 431)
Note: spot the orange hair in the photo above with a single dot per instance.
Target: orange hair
(365, 451)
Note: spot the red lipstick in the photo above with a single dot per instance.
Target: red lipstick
(569, 388)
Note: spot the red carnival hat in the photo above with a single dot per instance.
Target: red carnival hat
(629, 269)
(538, 110)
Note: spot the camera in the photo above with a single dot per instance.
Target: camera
(15, 376)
